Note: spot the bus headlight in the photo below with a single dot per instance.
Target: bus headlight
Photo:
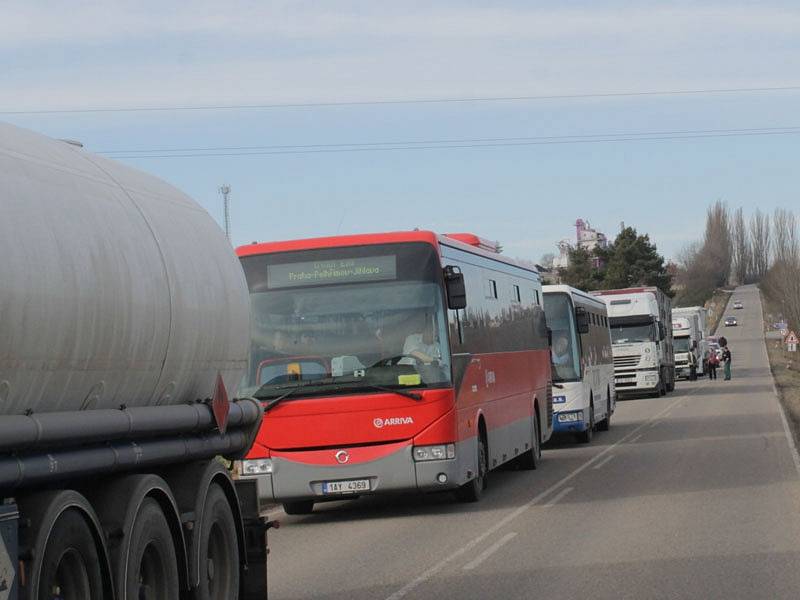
(438, 452)
(258, 466)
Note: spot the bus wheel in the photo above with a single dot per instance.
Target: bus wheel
(298, 507)
(152, 569)
(530, 460)
(605, 424)
(473, 489)
(584, 437)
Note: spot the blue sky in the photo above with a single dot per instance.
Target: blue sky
(58, 55)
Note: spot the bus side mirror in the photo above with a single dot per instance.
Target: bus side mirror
(549, 337)
(662, 332)
(694, 344)
(582, 319)
(456, 290)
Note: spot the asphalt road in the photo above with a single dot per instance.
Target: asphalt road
(694, 495)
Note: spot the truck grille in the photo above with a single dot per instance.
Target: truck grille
(625, 361)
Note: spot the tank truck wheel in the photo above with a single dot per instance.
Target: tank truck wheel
(71, 567)
(68, 554)
(219, 550)
(152, 565)
(299, 507)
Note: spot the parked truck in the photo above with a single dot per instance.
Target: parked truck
(125, 328)
(641, 335)
(689, 328)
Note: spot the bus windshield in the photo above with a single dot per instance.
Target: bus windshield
(627, 333)
(560, 317)
(385, 326)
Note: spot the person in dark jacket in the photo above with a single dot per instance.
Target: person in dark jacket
(726, 359)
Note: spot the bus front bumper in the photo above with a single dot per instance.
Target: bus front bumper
(570, 421)
(296, 478)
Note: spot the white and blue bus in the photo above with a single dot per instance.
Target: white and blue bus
(583, 366)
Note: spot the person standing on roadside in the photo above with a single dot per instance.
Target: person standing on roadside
(713, 363)
(726, 358)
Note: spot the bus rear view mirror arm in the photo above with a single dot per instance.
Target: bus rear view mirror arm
(456, 291)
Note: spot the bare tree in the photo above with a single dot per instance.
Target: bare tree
(760, 243)
(782, 283)
(547, 260)
(742, 253)
(717, 243)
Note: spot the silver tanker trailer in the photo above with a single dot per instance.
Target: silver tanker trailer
(124, 324)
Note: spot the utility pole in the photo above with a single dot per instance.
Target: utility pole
(225, 190)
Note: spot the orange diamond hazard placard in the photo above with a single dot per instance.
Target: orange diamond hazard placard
(220, 404)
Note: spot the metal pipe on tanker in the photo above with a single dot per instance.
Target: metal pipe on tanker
(117, 289)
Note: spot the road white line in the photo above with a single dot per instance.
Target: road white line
(603, 462)
(554, 500)
(636, 439)
(430, 572)
(490, 550)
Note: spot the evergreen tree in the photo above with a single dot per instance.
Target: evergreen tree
(632, 260)
(580, 273)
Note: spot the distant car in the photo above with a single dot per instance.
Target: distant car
(738, 304)
(731, 322)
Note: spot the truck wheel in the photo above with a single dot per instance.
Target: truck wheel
(152, 566)
(299, 507)
(219, 549)
(530, 459)
(71, 565)
(473, 489)
(584, 437)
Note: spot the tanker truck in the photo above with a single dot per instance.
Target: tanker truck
(124, 328)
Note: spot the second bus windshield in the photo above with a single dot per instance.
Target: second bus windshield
(561, 321)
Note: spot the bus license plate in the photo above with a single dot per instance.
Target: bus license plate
(345, 487)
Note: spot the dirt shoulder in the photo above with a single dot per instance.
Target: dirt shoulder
(785, 368)
(717, 306)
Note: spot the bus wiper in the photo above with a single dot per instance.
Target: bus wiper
(291, 390)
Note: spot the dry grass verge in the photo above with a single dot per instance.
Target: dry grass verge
(717, 306)
(785, 368)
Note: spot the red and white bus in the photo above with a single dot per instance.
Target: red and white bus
(390, 362)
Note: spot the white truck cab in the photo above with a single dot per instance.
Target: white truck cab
(641, 335)
(690, 343)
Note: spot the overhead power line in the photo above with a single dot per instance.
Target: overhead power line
(330, 104)
(221, 151)
(450, 141)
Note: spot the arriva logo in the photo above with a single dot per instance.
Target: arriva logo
(379, 423)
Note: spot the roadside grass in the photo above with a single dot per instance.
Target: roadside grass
(785, 367)
(717, 306)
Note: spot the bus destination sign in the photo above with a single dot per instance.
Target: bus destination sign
(327, 272)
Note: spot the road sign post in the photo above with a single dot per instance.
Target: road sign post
(791, 341)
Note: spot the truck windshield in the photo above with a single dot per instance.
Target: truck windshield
(681, 344)
(560, 316)
(627, 333)
(384, 325)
